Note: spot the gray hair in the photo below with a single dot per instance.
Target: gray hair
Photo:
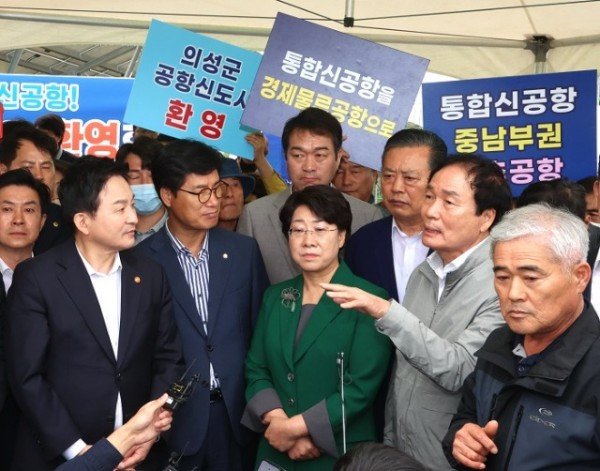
(563, 233)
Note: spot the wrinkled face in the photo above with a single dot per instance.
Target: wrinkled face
(112, 227)
(450, 220)
(404, 176)
(539, 297)
(186, 213)
(21, 217)
(355, 180)
(311, 159)
(137, 175)
(232, 203)
(314, 244)
(37, 161)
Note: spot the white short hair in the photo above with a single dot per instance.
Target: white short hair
(563, 233)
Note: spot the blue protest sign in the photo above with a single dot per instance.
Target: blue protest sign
(191, 86)
(91, 107)
(536, 127)
(368, 87)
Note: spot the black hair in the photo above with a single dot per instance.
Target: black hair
(52, 123)
(22, 177)
(79, 190)
(324, 201)
(376, 457)
(12, 142)
(438, 151)
(490, 189)
(316, 121)
(587, 183)
(558, 193)
(181, 158)
(146, 148)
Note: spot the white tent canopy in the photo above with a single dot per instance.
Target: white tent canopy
(464, 38)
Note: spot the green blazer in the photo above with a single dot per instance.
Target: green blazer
(306, 377)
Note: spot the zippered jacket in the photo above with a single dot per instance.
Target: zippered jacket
(548, 419)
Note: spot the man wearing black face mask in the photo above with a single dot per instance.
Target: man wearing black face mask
(151, 213)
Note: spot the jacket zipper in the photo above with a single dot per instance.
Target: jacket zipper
(513, 439)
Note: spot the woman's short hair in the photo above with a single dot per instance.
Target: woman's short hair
(324, 201)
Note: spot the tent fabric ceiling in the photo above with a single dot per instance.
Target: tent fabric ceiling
(463, 39)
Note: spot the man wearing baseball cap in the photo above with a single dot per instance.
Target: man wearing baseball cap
(239, 186)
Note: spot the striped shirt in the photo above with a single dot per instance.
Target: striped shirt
(196, 274)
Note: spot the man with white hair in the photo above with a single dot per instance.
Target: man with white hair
(533, 401)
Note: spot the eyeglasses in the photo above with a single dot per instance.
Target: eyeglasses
(219, 190)
(319, 232)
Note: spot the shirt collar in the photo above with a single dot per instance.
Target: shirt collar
(437, 264)
(92, 271)
(396, 230)
(159, 224)
(4, 268)
(180, 248)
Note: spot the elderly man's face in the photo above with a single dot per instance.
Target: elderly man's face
(451, 225)
(539, 297)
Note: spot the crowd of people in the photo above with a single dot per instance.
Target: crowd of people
(450, 326)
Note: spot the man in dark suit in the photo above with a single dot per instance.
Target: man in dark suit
(385, 252)
(24, 202)
(218, 279)
(24, 146)
(90, 335)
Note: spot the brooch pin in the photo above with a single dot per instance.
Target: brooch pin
(289, 297)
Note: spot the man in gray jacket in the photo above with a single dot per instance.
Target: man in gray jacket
(449, 309)
(312, 142)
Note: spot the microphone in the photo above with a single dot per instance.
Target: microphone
(340, 363)
(180, 391)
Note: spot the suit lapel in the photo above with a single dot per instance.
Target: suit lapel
(289, 318)
(180, 289)
(385, 257)
(276, 228)
(131, 288)
(77, 285)
(325, 312)
(220, 263)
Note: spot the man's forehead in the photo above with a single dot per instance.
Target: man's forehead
(307, 138)
(19, 193)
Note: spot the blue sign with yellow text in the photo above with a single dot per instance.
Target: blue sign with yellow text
(368, 87)
(191, 86)
(536, 127)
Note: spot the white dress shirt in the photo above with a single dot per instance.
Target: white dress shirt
(7, 275)
(107, 287)
(408, 252)
(437, 265)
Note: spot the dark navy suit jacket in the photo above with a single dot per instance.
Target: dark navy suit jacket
(237, 280)
(594, 233)
(61, 365)
(369, 255)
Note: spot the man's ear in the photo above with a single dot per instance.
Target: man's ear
(3, 169)
(81, 222)
(166, 195)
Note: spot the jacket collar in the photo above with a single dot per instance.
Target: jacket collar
(479, 256)
(550, 375)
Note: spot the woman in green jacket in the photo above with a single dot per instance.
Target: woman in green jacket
(293, 366)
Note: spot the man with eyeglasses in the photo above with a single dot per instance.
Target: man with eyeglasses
(218, 279)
